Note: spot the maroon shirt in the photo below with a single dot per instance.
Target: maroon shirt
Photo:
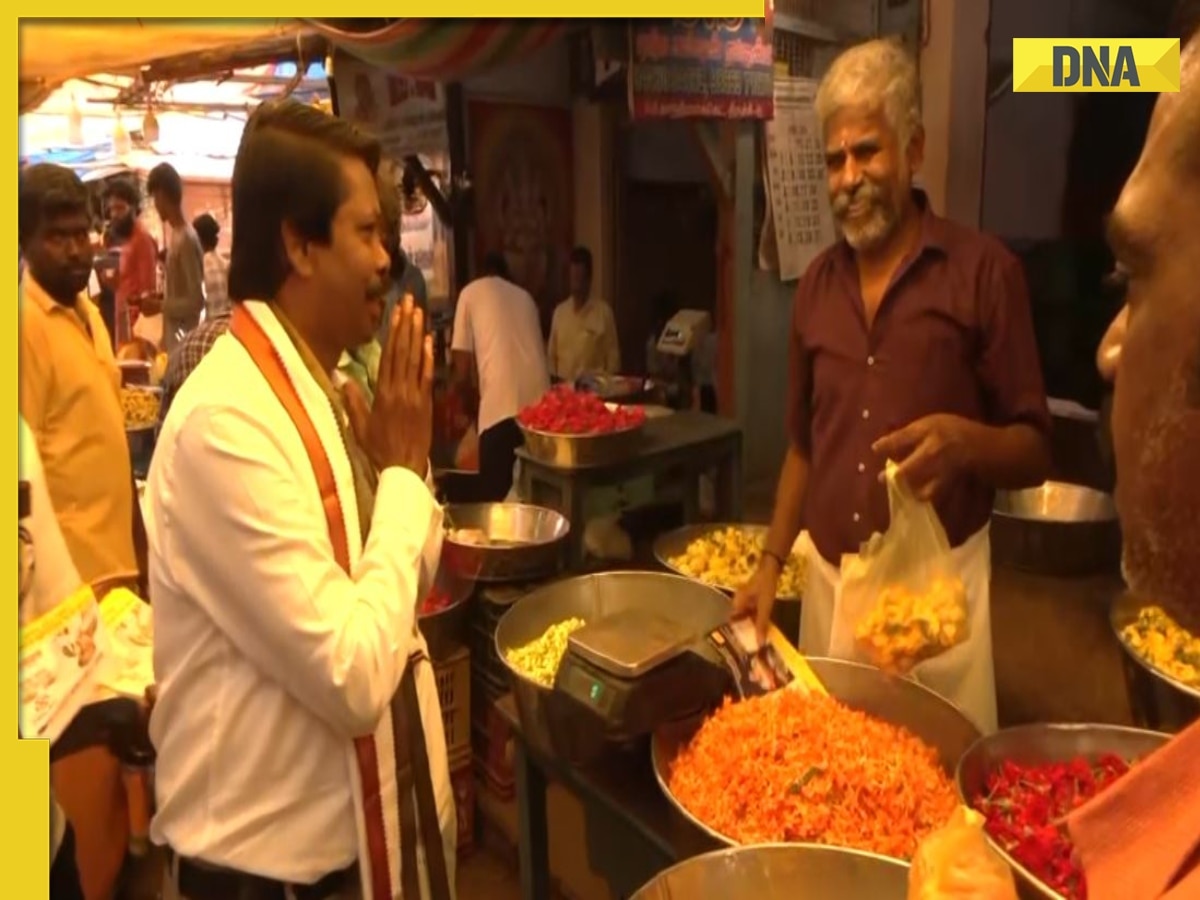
(953, 334)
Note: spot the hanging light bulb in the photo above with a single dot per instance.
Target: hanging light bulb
(150, 125)
(121, 141)
(75, 124)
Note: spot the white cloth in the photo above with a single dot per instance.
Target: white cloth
(52, 577)
(269, 659)
(964, 675)
(498, 322)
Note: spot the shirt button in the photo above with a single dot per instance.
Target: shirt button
(870, 360)
(856, 517)
(862, 467)
(866, 414)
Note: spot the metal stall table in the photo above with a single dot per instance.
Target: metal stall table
(675, 450)
(633, 831)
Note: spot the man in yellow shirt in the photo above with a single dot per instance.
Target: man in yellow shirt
(69, 382)
(583, 332)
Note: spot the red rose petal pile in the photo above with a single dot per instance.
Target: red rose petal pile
(435, 602)
(564, 410)
(1026, 808)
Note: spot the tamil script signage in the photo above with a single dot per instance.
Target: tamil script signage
(702, 68)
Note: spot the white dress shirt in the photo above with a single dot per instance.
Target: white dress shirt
(498, 322)
(269, 658)
(583, 340)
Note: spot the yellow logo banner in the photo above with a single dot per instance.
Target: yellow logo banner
(1096, 65)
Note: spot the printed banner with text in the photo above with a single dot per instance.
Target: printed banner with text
(702, 68)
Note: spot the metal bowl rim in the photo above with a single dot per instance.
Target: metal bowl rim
(725, 839)
(591, 435)
(1125, 601)
(533, 506)
(1041, 520)
(804, 846)
(1034, 727)
(703, 528)
(516, 603)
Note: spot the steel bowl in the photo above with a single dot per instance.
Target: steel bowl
(576, 451)
(1159, 700)
(899, 701)
(538, 539)
(591, 597)
(674, 543)
(1046, 743)
(1057, 529)
(781, 872)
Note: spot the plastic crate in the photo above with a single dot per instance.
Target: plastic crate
(454, 696)
(462, 781)
(492, 741)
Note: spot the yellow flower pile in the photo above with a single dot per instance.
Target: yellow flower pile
(905, 627)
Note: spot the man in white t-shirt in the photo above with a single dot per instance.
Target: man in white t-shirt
(498, 336)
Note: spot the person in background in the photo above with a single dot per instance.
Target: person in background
(498, 341)
(293, 533)
(404, 277)
(583, 332)
(216, 270)
(69, 395)
(183, 285)
(48, 580)
(188, 353)
(892, 360)
(137, 273)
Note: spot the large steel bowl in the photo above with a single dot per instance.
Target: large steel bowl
(899, 701)
(675, 543)
(579, 451)
(781, 872)
(1158, 700)
(592, 597)
(1046, 743)
(535, 540)
(1058, 529)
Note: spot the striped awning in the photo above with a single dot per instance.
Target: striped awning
(442, 50)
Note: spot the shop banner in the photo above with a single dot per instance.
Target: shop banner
(702, 68)
(407, 114)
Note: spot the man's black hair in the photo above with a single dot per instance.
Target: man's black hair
(1185, 21)
(163, 179)
(124, 188)
(288, 170)
(495, 265)
(46, 191)
(582, 256)
(207, 229)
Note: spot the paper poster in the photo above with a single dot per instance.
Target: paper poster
(799, 197)
(129, 622)
(61, 656)
(407, 114)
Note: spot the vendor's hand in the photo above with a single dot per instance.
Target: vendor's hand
(930, 453)
(757, 596)
(398, 428)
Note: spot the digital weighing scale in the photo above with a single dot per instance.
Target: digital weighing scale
(625, 675)
(684, 332)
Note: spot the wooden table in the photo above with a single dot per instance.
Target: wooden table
(678, 449)
(633, 831)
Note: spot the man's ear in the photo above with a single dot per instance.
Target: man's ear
(297, 250)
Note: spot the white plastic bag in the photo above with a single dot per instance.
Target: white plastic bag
(902, 600)
(149, 328)
(956, 863)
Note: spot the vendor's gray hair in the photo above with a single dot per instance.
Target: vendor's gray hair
(878, 76)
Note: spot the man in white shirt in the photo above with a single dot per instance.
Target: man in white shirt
(583, 332)
(498, 338)
(300, 750)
